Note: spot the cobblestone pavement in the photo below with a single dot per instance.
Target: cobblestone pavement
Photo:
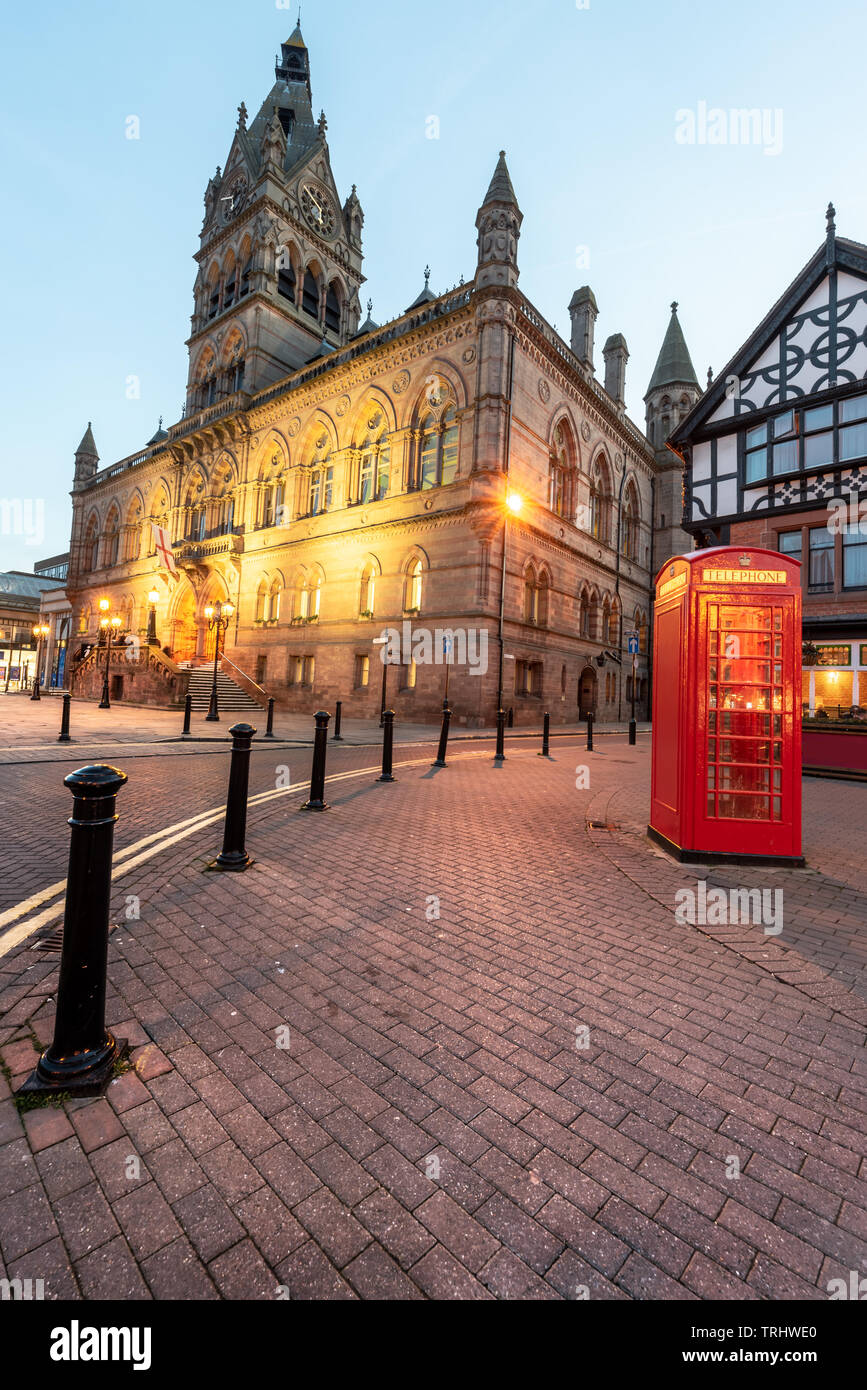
(506, 1070)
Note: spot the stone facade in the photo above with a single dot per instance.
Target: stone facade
(334, 484)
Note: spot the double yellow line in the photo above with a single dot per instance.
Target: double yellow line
(51, 900)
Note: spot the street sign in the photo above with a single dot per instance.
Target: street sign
(634, 644)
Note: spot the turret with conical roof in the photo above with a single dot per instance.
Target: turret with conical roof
(674, 388)
(672, 393)
(499, 226)
(86, 458)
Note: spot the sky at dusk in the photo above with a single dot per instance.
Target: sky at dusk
(605, 111)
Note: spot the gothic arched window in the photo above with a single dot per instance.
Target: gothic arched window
(112, 538)
(414, 587)
(374, 469)
(287, 281)
(629, 524)
(332, 309)
(600, 502)
(367, 598)
(91, 542)
(310, 295)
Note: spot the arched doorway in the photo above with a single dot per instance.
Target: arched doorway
(185, 628)
(587, 692)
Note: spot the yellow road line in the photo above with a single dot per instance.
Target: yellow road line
(143, 850)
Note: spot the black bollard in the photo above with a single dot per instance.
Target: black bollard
(64, 720)
(388, 747)
(590, 732)
(501, 737)
(270, 731)
(512, 718)
(82, 1057)
(338, 723)
(444, 737)
(317, 800)
(546, 738)
(188, 717)
(633, 733)
(234, 858)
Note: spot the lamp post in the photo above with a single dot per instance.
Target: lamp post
(219, 617)
(40, 632)
(153, 600)
(383, 643)
(110, 627)
(513, 506)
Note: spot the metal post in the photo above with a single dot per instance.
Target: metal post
(338, 722)
(444, 737)
(511, 717)
(388, 747)
(501, 737)
(214, 711)
(64, 720)
(633, 727)
(81, 1058)
(36, 691)
(546, 738)
(589, 731)
(234, 858)
(105, 702)
(270, 730)
(317, 800)
(188, 717)
(384, 690)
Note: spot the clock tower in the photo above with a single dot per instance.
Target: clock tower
(280, 257)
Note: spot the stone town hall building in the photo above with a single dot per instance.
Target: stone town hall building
(332, 479)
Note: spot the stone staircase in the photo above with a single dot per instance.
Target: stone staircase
(232, 699)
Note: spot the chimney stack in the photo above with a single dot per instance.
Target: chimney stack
(583, 311)
(616, 355)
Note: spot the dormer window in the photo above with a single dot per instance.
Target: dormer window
(287, 118)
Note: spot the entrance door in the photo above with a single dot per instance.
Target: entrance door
(185, 629)
(587, 690)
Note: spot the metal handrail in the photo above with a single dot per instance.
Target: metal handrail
(224, 661)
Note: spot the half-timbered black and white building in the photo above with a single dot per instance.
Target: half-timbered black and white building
(775, 454)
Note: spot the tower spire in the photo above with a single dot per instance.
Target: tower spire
(499, 226)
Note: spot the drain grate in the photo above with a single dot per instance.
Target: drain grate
(52, 943)
(602, 825)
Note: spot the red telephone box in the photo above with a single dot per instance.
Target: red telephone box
(727, 707)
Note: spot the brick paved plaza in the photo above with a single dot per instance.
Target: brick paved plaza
(447, 1041)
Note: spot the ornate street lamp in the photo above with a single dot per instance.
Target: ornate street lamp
(40, 632)
(153, 600)
(219, 618)
(513, 506)
(110, 627)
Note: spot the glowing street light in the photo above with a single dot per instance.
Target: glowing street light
(111, 628)
(40, 632)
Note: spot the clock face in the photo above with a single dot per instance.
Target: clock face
(233, 200)
(318, 209)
